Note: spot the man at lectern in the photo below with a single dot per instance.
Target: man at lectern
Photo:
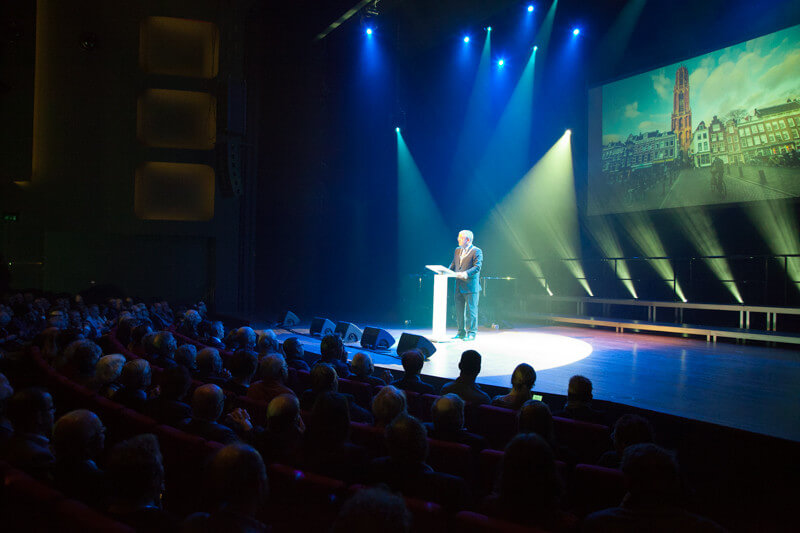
(467, 261)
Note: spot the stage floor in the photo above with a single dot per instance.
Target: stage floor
(744, 386)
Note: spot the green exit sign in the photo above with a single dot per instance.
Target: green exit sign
(10, 217)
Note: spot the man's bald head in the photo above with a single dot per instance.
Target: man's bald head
(207, 402)
(78, 435)
(448, 413)
(238, 475)
(282, 412)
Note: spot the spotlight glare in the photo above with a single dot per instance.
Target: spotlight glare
(530, 8)
(466, 38)
(576, 31)
(568, 131)
(369, 31)
(488, 28)
(397, 129)
(501, 62)
(535, 48)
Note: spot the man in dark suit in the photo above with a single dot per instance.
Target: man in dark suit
(467, 261)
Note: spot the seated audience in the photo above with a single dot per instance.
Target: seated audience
(579, 402)
(362, 368)
(447, 413)
(268, 344)
(628, 430)
(522, 381)
(135, 474)
(106, 375)
(186, 356)
(323, 379)
(405, 469)
(209, 367)
(134, 380)
(535, 417)
(283, 435)
(332, 352)
(81, 358)
(189, 324)
(31, 414)
(137, 335)
(529, 488)
(244, 338)
(242, 366)
(387, 404)
(373, 509)
(293, 351)
(465, 386)
(165, 345)
(208, 402)
(169, 406)
(327, 448)
(273, 374)
(653, 499)
(6, 428)
(238, 481)
(215, 332)
(78, 442)
(412, 362)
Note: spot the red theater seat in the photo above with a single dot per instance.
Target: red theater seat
(497, 424)
(362, 392)
(595, 488)
(370, 437)
(469, 522)
(587, 441)
(73, 516)
(451, 458)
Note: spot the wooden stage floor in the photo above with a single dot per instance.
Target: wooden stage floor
(745, 386)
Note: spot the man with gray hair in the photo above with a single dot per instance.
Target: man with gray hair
(274, 373)
(387, 404)
(447, 413)
(467, 262)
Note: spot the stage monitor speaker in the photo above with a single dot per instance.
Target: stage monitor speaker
(288, 320)
(348, 331)
(373, 338)
(321, 327)
(409, 341)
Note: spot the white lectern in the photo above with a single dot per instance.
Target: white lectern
(439, 332)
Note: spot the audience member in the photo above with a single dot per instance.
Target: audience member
(387, 404)
(268, 344)
(31, 414)
(283, 436)
(294, 352)
(362, 368)
(78, 442)
(165, 345)
(529, 488)
(80, 361)
(373, 509)
(465, 386)
(274, 374)
(244, 338)
(242, 366)
(186, 356)
(237, 478)
(137, 335)
(6, 428)
(412, 362)
(405, 468)
(324, 379)
(106, 375)
(579, 402)
(208, 402)
(327, 447)
(447, 413)
(332, 352)
(653, 499)
(522, 381)
(535, 417)
(134, 379)
(214, 335)
(189, 324)
(628, 430)
(209, 367)
(169, 406)
(135, 475)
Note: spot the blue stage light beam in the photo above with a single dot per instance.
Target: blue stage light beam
(616, 39)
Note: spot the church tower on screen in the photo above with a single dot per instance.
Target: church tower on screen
(681, 112)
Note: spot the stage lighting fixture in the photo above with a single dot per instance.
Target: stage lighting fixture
(488, 28)
(568, 131)
(535, 48)
(466, 38)
(501, 62)
(530, 8)
(576, 31)
(369, 31)
(397, 130)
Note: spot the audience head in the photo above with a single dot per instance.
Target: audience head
(631, 429)
(243, 365)
(283, 413)
(109, 368)
(470, 364)
(361, 365)
(580, 389)
(535, 417)
(208, 402)
(135, 472)
(373, 509)
(528, 477)
(165, 345)
(238, 477)
(246, 338)
(523, 379)
(292, 348)
(323, 378)
(447, 413)
(274, 368)
(79, 435)
(330, 420)
(149, 344)
(407, 440)
(31, 411)
(6, 392)
(268, 342)
(136, 374)
(175, 383)
(83, 355)
(412, 362)
(209, 362)
(387, 404)
(186, 356)
(139, 332)
(217, 330)
(331, 348)
(192, 318)
(651, 473)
